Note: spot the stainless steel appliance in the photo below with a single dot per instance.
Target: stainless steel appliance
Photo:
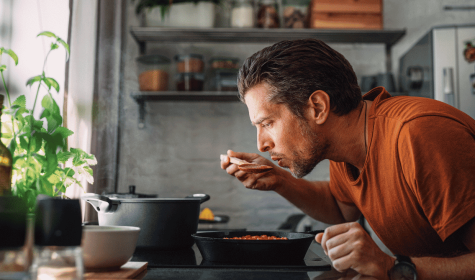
(441, 66)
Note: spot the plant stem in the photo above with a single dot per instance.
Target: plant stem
(6, 89)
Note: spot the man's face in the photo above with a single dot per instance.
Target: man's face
(289, 140)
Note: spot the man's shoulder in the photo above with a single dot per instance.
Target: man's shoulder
(408, 108)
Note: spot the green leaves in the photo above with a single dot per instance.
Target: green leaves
(11, 53)
(47, 34)
(33, 80)
(58, 40)
(51, 112)
(42, 163)
(49, 82)
(20, 101)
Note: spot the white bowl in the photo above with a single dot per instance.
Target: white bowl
(108, 247)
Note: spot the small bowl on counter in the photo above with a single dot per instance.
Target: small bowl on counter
(108, 247)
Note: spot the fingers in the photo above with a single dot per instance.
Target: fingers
(344, 263)
(331, 232)
(225, 162)
(245, 156)
(319, 237)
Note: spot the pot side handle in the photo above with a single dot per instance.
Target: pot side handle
(203, 197)
(101, 203)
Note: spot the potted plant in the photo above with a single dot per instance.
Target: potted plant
(178, 13)
(42, 162)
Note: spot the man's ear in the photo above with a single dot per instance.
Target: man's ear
(319, 106)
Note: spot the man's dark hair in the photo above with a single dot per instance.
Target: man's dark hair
(295, 69)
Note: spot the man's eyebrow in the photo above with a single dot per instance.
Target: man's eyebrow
(259, 121)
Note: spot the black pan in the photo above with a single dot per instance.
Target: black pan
(214, 248)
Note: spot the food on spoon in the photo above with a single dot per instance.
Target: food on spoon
(206, 214)
(247, 166)
(257, 237)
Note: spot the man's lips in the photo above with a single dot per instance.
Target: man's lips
(279, 160)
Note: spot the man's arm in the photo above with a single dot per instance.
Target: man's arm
(461, 267)
(316, 200)
(350, 247)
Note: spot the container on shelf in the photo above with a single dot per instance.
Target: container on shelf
(295, 13)
(153, 71)
(189, 81)
(191, 15)
(346, 14)
(242, 14)
(268, 14)
(224, 80)
(189, 63)
(224, 63)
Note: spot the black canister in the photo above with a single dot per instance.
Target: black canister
(58, 233)
(13, 256)
(12, 221)
(58, 222)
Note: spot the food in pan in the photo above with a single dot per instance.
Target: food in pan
(257, 237)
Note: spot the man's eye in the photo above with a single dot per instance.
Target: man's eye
(266, 125)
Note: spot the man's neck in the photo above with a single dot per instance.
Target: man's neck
(347, 138)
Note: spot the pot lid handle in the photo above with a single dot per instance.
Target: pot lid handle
(203, 197)
(101, 203)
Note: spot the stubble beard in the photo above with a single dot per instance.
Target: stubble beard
(306, 161)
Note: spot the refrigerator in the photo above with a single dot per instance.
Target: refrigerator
(441, 65)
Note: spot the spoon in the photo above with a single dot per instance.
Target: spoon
(247, 166)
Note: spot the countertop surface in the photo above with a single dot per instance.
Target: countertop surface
(274, 273)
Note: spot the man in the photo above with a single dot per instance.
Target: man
(406, 163)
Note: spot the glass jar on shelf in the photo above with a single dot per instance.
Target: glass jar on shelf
(295, 14)
(153, 71)
(224, 80)
(189, 81)
(224, 63)
(189, 63)
(268, 14)
(242, 14)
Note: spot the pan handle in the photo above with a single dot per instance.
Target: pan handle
(101, 203)
(203, 197)
(314, 232)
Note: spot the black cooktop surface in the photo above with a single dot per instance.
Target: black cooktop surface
(191, 258)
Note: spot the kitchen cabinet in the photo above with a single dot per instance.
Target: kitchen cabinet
(144, 35)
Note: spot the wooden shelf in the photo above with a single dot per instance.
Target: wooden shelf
(144, 35)
(218, 96)
(193, 96)
(259, 35)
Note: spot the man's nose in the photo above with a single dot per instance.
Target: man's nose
(264, 143)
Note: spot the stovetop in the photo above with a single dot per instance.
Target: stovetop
(191, 258)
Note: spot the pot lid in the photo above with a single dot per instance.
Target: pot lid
(130, 194)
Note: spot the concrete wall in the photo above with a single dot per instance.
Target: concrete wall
(177, 153)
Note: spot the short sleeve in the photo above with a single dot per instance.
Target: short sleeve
(437, 156)
(338, 186)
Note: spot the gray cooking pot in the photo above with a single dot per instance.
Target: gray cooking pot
(165, 223)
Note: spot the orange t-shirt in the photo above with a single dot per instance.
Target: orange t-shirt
(417, 186)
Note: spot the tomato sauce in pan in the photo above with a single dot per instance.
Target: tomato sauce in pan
(257, 237)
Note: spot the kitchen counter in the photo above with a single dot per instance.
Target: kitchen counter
(237, 274)
(180, 265)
